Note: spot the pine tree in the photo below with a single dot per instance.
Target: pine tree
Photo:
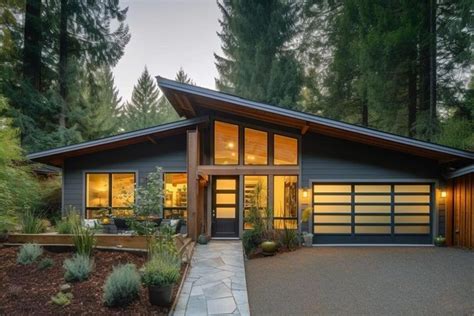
(258, 62)
(100, 105)
(183, 77)
(143, 109)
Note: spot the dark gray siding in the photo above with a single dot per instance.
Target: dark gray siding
(326, 158)
(169, 153)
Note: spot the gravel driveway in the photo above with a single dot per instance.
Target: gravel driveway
(363, 280)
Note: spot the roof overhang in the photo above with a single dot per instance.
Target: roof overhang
(189, 99)
(56, 156)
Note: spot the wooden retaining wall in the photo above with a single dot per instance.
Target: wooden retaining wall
(102, 240)
(460, 212)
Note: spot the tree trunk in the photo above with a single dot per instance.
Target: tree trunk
(425, 68)
(432, 118)
(365, 113)
(63, 60)
(32, 45)
(411, 101)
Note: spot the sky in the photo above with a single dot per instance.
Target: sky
(167, 35)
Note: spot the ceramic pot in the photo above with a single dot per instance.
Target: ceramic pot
(160, 295)
(440, 241)
(269, 247)
(202, 239)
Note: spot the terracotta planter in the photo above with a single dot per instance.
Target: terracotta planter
(160, 295)
(269, 247)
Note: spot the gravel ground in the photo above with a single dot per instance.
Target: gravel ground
(363, 281)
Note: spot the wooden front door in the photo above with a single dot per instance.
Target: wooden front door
(225, 206)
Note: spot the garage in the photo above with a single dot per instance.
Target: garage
(372, 213)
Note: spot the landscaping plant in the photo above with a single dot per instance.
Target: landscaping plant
(122, 285)
(31, 223)
(29, 253)
(45, 263)
(84, 240)
(78, 268)
(289, 238)
(62, 299)
(67, 224)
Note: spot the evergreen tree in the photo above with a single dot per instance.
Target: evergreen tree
(100, 105)
(143, 109)
(258, 61)
(183, 77)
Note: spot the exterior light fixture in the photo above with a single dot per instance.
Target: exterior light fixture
(443, 194)
(305, 193)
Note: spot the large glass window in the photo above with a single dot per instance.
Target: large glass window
(256, 147)
(285, 150)
(285, 202)
(226, 143)
(255, 196)
(176, 195)
(109, 193)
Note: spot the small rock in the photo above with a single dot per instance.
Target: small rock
(65, 288)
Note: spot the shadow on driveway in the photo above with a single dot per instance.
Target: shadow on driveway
(363, 280)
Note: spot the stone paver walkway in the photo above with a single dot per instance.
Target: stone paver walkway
(215, 283)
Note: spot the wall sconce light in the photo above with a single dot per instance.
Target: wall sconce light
(305, 193)
(443, 194)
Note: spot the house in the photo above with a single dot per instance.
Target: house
(362, 185)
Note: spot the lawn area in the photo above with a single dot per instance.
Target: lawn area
(363, 280)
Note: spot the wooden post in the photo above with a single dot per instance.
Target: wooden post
(193, 182)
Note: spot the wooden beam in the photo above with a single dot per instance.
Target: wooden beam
(151, 140)
(247, 170)
(193, 183)
(304, 129)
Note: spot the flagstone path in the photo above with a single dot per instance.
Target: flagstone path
(215, 283)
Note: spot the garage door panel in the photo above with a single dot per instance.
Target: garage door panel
(378, 213)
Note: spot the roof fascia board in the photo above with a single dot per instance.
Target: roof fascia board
(120, 137)
(166, 83)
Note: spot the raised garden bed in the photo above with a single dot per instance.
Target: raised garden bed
(28, 290)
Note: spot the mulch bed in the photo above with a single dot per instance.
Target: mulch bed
(28, 290)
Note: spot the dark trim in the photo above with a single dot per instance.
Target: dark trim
(306, 117)
(119, 137)
(461, 172)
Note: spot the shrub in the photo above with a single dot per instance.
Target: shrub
(251, 240)
(62, 299)
(122, 285)
(78, 268)
(289, 238)
(29, 253)
(31, 223)
(45, 263)
(161, 271)
(84, 240)
(162, 246)
(68, 223)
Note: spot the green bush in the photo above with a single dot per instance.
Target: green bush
(31, 223)
(29, 253)
(45, 263)
(122, 285)
(161, 271)
(162, 246)
(84, 240)
(68, 223)
(78, 268)
(251, 240)
(289, 238)
(62, 299)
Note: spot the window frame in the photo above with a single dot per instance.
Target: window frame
(268, 145)
(297, 149)
(165, 208)
(297, 218)
(271, 132)
(109, 174)
(239, 143)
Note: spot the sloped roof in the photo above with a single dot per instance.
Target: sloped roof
(56, 156)
(189, 101)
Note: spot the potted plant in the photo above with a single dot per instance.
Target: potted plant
(440, 241)
(202, 239)
(305, 215)
(269, 245)
(159, 275)
(308, 239)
